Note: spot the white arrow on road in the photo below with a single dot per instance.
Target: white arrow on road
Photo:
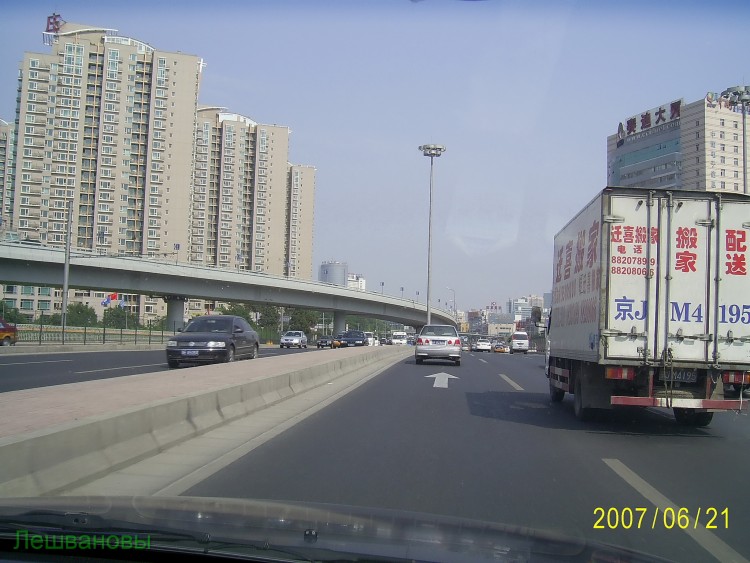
(441, 379)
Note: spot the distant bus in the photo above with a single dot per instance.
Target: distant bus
(398, 337)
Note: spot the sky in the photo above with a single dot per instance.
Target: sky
(522, 94)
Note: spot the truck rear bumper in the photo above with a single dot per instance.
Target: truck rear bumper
(715, 404)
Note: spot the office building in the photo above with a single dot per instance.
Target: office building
(356, 281)
(693, 146)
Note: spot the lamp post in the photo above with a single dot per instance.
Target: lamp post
(431, 151)
(382, 285)
(402, 292)
(740, 96)
(455, 309)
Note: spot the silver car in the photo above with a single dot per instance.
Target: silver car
(438, 342)
(293, 338)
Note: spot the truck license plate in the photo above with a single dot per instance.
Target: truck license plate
(681, 375)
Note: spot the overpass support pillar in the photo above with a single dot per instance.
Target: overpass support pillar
(175, 312)
(339, 322)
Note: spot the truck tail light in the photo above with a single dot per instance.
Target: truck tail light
(736, 377)
(620, 373)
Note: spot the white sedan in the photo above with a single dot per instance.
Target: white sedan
(293, 338)
(483, 345)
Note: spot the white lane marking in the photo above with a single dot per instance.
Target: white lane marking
(120, 367)
(39, 362)
(441, 379)
(707, 540)
(481, 360)
(510, 382)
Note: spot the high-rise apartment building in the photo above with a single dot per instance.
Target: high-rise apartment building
(106, 130)
(6, 172)
(694, 146)
(109, 128)
(251, 208)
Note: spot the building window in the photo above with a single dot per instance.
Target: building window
(27, 290)
(697, 134)
(27, 304)
(721, 122)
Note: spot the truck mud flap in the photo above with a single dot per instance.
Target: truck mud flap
(560, 378)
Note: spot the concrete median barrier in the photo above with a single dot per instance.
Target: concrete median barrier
(50, 460)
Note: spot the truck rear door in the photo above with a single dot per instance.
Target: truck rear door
(731, 324)
(686, 265)
(630, 248)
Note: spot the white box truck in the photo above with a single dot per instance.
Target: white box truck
(651, 303)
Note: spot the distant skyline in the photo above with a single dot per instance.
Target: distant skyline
(523, 95)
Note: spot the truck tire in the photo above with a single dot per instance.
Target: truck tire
(688, 417)
(582, 413)
(556, 395)
(418, 360)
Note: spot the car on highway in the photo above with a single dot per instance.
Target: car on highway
(483, 345)
(500, 347)
(336, 342)
(8, 333)
(293, 338)
(519, 342)
(325, 342)
(371, 340)
(438, 342)
(211, 339)
(353, 338)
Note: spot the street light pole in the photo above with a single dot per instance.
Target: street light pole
(740, 95)
(455, 308)
(382, 284)
(432, 151)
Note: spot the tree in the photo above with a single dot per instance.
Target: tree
(14, 316)
(80, 314)
(54, 319)
(302, 319)
(240, 310)
(117, 317)
(269, 316)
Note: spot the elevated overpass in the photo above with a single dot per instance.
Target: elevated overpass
(43, 266)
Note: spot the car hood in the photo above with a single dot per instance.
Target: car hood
(303, 529)
(199, 336)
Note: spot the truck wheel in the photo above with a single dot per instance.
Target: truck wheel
(688, 417)
(418, 360)
(583, 414)
(556, 395)
(173, 363)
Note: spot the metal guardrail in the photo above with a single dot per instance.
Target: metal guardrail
(53, 334)
(49, 334)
